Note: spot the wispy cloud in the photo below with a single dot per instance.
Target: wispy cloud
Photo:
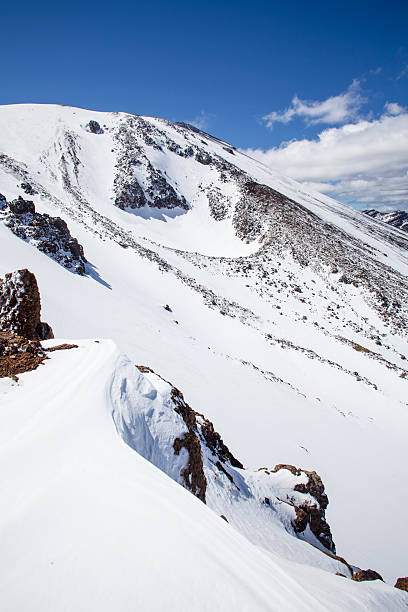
(403, 73)
(202, 120)
(334, 110)
(365, 162)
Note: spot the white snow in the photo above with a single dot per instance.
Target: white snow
(317, 417)
(87, 524)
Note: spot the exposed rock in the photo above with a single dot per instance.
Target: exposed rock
(50, 235)
(20, 307)
(94, 127)
(193, 473)
(396, 218)
(311, 514)
(154, 190)
(18, 355)
(21, 207)
(44, 331)
(3, 202)
(402, 583)
(61, 347)
(369, 574)
(28, 189)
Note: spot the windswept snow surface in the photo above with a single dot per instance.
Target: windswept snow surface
(306, 370)
(87, 524)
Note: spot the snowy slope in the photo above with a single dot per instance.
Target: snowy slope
(287, 325)
(87, 524)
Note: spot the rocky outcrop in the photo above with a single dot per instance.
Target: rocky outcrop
(18, 355)
(311, 512)
(20, 307)
(50, 235)
(137, 182)
(94, 127)
(368, 574)
(402, 583)
(28, 189)
(211, 462)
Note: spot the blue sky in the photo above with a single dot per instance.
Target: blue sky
(253, 73)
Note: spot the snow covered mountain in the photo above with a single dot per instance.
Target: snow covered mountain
(280, 314)
(396, 218)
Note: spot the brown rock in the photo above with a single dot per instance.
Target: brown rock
(369, 574)
(313, 515)
(20, 307)
(18, 355)
(402, 583)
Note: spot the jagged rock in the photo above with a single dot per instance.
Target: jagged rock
(20, 307)
(165, 430)
(402, 583)
(94, 127)
(22, 207)
(50, 235)
(28, 189)
(18, 355)
(307, 514)
(203, 157)
(369, 574)
(44, 331)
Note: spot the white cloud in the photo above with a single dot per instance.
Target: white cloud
(334, 110)
(365, 162)
(202, 120)
(393, 108)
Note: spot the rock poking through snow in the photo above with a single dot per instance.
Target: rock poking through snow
(20, 307)
(50, 235)
(369, 574)
(402, 583)
(164, 429)
(18, 355)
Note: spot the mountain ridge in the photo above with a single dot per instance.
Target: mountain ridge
(289, 293)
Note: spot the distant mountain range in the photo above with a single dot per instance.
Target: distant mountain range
(396, 218)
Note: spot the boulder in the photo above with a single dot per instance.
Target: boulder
(402, 583)
(369, 574)
(94, 127)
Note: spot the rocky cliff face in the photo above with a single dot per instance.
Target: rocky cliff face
(20, 307)
(50, 235)
(187, 447)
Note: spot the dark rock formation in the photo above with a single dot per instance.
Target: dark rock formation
(402, 583)
(22, 207)
(28, 189)
(153, 189)
(369, 574)
(20, 307)
(94, 127)
(312, 514)
(50, 235)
